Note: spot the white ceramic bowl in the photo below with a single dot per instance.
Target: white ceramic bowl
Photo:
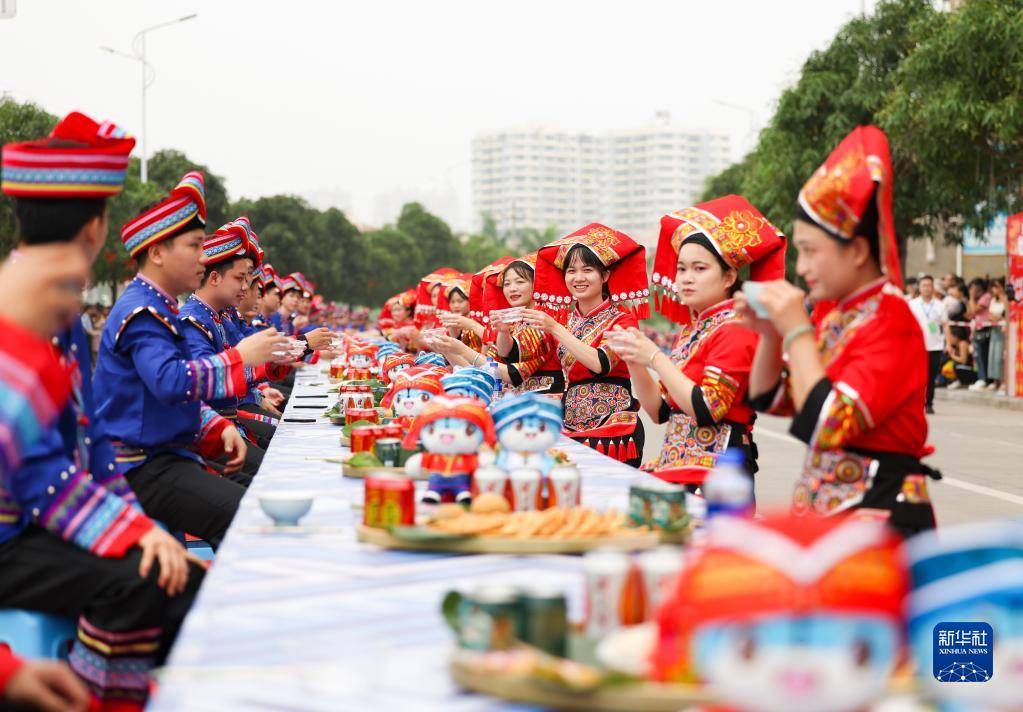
(284, 508)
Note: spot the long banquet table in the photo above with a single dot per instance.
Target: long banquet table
(314, 620)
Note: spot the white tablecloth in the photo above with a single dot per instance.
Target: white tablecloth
(317, 621)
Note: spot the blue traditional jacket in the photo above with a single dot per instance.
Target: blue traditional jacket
(150, 387)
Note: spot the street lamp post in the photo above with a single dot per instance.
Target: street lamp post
(138, 54)
(750, 137)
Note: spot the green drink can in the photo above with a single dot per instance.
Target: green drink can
(388, 451)
(544, 619)
(657, 504)
(487, 619)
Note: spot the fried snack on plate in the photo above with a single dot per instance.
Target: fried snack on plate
(449, 511)
(488, 503)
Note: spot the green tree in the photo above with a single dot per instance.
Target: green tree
(955, 115)
(845, 85)
(394, 261)
(431, 233)
(18, 122)
(114, 265)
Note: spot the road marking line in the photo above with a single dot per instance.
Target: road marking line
(953, 481)
(981, 489)
(975, 438)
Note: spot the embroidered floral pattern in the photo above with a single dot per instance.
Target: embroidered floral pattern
(832, 481)
(592, 405)
(687, 444)
(843, 417)
(590, 330)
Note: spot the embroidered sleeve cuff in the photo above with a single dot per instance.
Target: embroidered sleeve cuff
(804, 424)
(133, 526)
(700, 410)
(605, 361)
(236, 372)
(211, 428)
(92, 518)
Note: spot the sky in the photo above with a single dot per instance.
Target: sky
(368, 104)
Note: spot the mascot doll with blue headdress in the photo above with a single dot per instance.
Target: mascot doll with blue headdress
(966, 615)
(527, 427)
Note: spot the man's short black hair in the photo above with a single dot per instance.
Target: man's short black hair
(926, 276)
(46, 220)
(222, 268)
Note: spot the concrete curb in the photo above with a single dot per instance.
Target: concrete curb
(979, 398)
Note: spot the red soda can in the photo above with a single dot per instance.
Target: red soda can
(364, 437)
(390, 501)
(393, 430)
(353, 415)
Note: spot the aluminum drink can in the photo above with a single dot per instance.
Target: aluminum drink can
(564, 486)
(544, 619)
(388, 451)
(660, 568)
(363, 438)
(489, 479)
(353, 415)
(489, 618)
(390, 500)
(526, 485)
(605, 574)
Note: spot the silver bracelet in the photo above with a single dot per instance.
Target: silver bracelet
(650, 362)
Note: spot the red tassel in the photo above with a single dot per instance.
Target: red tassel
(632, 450)
(612, 451)
(600, 447)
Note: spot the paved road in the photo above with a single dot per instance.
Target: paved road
(979, 451)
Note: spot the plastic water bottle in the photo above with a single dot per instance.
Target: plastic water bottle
(728, 489)
(492, 368)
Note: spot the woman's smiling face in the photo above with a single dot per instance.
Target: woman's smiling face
(517, 288)
(585, 282)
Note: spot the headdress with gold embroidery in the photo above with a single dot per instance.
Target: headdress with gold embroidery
(457, 283)
(623, 257)
(736, 230)
(837, 197)
(493, 288)
(481, 281)
(425, 308)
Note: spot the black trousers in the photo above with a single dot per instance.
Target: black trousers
(127, 623)
(178, 492)
(933, 371)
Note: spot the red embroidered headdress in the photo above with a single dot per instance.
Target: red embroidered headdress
(838, 194)
(493, 287)
(79, 159)
(477, 290)
(736, 230)
(187, 202)
(425, 308)
(623, 256)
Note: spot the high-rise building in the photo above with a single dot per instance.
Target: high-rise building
(536, 177)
